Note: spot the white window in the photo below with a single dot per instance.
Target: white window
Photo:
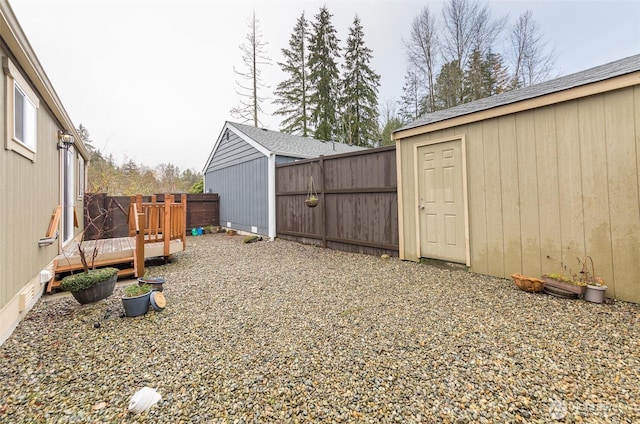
(81, 179)
(24, 118)
(22, 112)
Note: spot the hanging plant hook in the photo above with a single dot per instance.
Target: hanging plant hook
(312, 195)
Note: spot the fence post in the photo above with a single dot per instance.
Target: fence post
(139, 259)
(323, 202)
(166, 225)
(183, 224)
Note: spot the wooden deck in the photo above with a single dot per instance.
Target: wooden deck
(155, 230)
(111, 252)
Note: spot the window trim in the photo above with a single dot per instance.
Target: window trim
(15, 79)
(81, 178)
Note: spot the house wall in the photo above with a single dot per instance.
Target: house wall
(546, 185)
(30, 193)
(238, 173)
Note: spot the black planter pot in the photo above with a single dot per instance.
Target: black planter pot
(136, 306)
(97, 292)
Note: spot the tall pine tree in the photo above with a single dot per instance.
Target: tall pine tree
(359, 102)
(293, 93)
(324, 76)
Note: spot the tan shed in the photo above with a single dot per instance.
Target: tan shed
(520, 181)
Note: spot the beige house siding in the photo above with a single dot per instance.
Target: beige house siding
(31, 186)
(547, 184)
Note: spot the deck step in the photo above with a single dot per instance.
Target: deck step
(128, 272)
(54, 283)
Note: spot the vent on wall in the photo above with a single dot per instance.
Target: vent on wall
(25, 298)
(45, 276)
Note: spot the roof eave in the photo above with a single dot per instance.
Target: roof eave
(617, 82)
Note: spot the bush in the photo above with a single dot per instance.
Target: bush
(84, 280)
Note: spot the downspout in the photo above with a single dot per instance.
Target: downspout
(272, 195)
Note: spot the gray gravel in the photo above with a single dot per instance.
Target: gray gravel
(281, 332)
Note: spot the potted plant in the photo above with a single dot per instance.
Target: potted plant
(563, 282)
(595, 286)
(136, 300)
(156, 283)
(91, 285)
(312, 196)
(311, 201)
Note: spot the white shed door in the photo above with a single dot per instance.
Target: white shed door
(441, 202)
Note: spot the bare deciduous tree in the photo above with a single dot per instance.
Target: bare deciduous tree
(532, 62)
(468, 28)
(422, 50)
(254, 56)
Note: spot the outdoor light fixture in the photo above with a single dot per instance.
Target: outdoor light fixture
(65, 139)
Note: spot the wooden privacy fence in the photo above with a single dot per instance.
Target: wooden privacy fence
(358, 201)
(203, 210)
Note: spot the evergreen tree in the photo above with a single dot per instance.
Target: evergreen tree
(86, 138)
(496, 74)
(324, 76)
(449, 85)
(412, 98)
(359, 100)
(485, 76)
(391, 125)
(292, 93)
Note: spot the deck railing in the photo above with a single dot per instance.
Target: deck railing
(163, 221)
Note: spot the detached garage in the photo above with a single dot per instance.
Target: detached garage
(241, 169)
(527, 179)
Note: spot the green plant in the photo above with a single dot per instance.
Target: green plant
(589, 277)
(564, 278)
(136, 290)
(84, 280)
(565, 274)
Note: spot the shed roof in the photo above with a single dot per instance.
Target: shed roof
(296, 146)
(589, 76)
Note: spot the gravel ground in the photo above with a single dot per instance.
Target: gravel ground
(281, 332)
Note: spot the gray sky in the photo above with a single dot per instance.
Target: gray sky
(153, 80)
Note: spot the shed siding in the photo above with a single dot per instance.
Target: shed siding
(549, 185)
(232, 151)
(243, 190)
